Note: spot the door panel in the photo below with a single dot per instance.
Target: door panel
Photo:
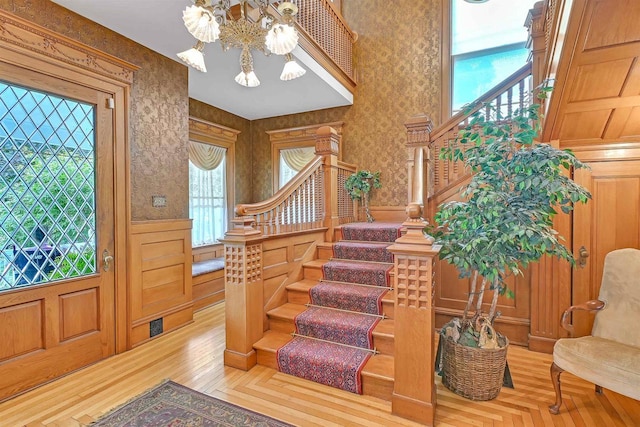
(64, 319)
(611, 220)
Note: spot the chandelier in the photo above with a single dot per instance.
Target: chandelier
(210, 20)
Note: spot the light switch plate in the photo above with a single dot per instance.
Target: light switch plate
(159, 201)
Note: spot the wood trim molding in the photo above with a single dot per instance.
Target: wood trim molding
(21, 35)
(296, 137)
(211, 133)
(445, 67)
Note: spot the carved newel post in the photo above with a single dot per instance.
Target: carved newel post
(418, 157)
(328, 146)
(243, 289)
(414, 391)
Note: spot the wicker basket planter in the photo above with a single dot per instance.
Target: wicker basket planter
(474, 373)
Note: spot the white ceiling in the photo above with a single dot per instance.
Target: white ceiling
(158, 25)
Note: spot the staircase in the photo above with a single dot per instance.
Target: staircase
(377, 374)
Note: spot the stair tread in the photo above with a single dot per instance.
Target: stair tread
(302, 285)
(272, 341)
(384, 327)
(380, 366)
(315, 263)
(286, 311)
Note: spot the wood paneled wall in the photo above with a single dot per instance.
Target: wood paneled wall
(160, 285)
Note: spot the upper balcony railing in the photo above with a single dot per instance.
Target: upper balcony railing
(327, 38)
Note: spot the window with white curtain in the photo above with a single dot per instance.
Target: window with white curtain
(487, 45)
(292, 160)
(207, 193)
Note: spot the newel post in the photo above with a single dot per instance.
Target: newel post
(243, 289)
(328, 146)
(536, 42)
(414, 390)
(418, 157)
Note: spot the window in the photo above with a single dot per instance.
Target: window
(211, 178)
(292, 160)
(47, 187)
(487, 44)
(207, 188)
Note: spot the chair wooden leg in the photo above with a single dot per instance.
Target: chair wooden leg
(555, 379)
(599, 389)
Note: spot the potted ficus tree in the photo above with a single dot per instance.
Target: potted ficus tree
(359, 184)
(504, 223)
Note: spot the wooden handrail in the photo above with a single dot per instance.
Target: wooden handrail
(490, 95)
(514, 91)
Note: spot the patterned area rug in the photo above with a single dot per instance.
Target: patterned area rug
(371, 231)
(171, 404)
(325, 363)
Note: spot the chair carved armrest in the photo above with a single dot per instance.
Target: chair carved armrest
(591, 305)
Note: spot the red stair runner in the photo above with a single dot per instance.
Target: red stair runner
(337, 329)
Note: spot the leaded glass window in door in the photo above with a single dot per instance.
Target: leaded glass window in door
(47, 187)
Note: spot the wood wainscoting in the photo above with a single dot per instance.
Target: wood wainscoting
(160, 287)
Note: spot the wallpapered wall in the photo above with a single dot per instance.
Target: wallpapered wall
(243, 144)
(397, 56)
(158, 127)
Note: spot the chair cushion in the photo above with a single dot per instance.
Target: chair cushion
(603, 362)
(203, 267)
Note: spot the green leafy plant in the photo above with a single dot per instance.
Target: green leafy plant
(506, 219)
(359, 184)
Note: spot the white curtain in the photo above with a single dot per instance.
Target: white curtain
(292, 160)
(205, 156)
(207, 193)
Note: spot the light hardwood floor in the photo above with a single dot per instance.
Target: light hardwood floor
(193, 356)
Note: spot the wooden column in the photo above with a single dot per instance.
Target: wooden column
(414, 391)
(550, 291)
(328, 145)
(418, 158)
(536, 42)
(243, 293)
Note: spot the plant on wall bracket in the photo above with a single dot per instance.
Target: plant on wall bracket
(359, 184)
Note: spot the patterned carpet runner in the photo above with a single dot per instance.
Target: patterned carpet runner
(335, 332)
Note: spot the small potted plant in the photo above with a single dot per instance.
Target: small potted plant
(359, 184)
(504, 223)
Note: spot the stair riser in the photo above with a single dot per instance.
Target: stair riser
(384, 344)
(377, 387)
(312, 273)
(324, 253)
(388, 309)
(297, 297)
(282, 325)
(267, 358)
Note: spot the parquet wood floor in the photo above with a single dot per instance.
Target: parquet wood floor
(193, 356)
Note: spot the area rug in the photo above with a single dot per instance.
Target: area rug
(172, 405)
(325, 363)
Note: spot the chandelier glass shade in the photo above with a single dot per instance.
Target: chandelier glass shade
(210, 20)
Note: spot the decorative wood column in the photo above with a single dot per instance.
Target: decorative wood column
(418, 161)
(328, 145)
(536, 42)
(243, 293)
(414, 391)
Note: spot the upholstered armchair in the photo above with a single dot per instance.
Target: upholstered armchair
(610, 356)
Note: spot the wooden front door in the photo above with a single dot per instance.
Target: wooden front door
(57, 228)
(611, 220)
